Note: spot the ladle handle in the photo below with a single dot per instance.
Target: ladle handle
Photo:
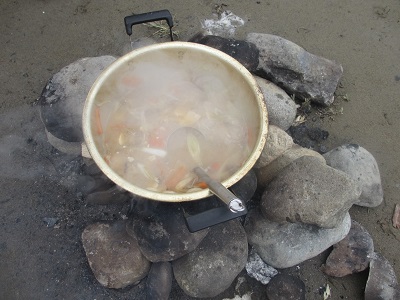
(233, 202)
(149, 17)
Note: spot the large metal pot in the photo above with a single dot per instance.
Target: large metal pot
(213, 59)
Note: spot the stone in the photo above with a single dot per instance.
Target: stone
(246, 186)
(87, 184)
(284, 245)
(309, 137)
(270, 171)
(72, 148)
(286, 287)
(278, 141)
(50, 221)
(258, 269)
(113, 195)
(382, 282)
(63, 98)
(91, 169)
(281, 108)
(113, 255)
(359, 164)
(159, 281)
(246, 296)
(244, 52)
(297, 71)
(212, 267)
(162, 233)
(91, 179)
(352, 254)
(309, 192)
(396, 217)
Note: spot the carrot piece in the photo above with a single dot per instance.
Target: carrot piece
(202, 185)
(157, 138)
(215, 166)
(156, 142)
(99, 128)
(175, 177)
(131, 80)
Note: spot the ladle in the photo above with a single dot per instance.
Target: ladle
(193, 139)
(233, 202)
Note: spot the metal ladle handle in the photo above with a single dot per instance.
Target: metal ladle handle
(234, 203)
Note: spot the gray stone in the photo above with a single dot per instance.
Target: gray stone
(350, 255)
(113, 195)
(162, 233)
(212, 267)
(297, 71)
(309, 137)
(270, 171)
(396, 217)
(258, 269)
(310, 192)
(382, 282)
(49, 221)
(359, 164)
(159, 281)
(284, 245)
(281, 108)
(278, 141)
(73, 148)
(286, 287)
(91, 180)
(113, 255)
(244, 52)
(63, 98)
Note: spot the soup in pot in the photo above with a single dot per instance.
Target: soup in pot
(155, 120)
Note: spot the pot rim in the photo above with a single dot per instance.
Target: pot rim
(173, 197)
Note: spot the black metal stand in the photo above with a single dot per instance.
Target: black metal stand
(211, 217)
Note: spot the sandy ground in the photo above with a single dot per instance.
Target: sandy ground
(40, 37)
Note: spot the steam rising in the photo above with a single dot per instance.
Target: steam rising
(140, 110)
(23, 145)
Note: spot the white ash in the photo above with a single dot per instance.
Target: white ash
(258, 269)
(224, 26)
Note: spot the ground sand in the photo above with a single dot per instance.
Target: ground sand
(40, 37)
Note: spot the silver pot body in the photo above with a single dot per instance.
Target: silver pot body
(185, 51)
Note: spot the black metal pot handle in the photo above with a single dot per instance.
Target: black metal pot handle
(149, 17)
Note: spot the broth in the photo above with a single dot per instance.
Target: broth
(157, 118)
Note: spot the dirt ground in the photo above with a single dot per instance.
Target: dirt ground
(40, 37)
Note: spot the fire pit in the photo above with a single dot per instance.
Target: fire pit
(281, 233)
